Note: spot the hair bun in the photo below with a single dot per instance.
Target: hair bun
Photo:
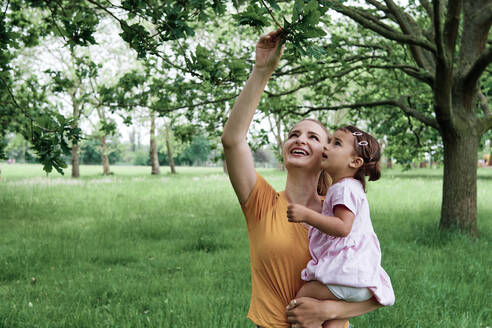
(373, 170)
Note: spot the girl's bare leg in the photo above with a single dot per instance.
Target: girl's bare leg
(317, 290)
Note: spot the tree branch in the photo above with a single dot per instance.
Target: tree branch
(444, 80)
(428, 8)
(484, 104)
(271, 13)
(26, 114)
(451, 27)
(397, 103)
(486, 14)
(154, 51)
(437, 28)
(488, 123)
(378, 6)
(324, 65)
(5, 11)
(160, 110)
(395, 36)
(412, 71)
(376, 20)
(409, 26)
(321, 79)
(371, 46)
(476, 70)
(54, 21)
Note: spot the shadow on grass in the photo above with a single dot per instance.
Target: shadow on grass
(427, 175)
(429, 235)
(8, 274)
(115, 259)
(206, 244)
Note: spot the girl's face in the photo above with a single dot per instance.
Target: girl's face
(340, 153)
(304, 146)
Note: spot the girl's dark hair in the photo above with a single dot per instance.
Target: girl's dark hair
(366, 147)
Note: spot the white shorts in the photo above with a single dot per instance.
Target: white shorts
(350, 294)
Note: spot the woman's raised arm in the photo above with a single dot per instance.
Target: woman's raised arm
(239, 159)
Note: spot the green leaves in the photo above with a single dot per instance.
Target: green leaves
(108, 127)
(138, 38)
(303, 25)
(253, 16)
(51, 145)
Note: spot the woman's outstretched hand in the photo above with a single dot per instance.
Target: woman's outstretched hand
(306, 312)
(267, 53)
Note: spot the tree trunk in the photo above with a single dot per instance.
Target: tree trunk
(154, 158)
(104, 156)
(75, 146)
(75, 161)
(389, 163)
(280, 166)
(224, 165)
(280, 143)
(459, 197)
(170, 153)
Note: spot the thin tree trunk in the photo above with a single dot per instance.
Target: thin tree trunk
(280, 143)
(104, 156)
(75, 146)
(170, 153)
(389, 163)
(75, 161)
(459, 198)
(224, 165)
(154, 158)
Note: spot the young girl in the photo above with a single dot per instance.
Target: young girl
(346, 257)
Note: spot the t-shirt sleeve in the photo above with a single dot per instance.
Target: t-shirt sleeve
(260, 200)
(345, 194)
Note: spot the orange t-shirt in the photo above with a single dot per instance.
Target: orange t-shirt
(279, 250)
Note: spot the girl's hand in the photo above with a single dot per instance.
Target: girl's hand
(267, 53)
(296, 213)
(307, 312)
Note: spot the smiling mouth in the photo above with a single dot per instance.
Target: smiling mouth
(299, 152)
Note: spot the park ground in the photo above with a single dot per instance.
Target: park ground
(134, 250)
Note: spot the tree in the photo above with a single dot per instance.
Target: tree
(169, 150)
(142, 89)
(450, 56)
(196, 153)
(154, 158)
(74, 81)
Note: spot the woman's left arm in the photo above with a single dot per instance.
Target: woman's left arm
(311, 313)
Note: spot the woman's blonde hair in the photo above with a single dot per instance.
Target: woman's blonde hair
(324, 182)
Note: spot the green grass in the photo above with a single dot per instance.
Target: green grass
(132, 250)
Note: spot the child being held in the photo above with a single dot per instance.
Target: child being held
(346, 257)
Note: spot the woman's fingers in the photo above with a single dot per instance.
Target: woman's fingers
(292, 304)
(271, 38)
(277, 33)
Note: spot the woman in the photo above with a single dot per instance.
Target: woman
(278, 248)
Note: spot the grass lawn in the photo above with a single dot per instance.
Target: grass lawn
(133, 250)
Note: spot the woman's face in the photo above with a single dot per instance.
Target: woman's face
(305, 145)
